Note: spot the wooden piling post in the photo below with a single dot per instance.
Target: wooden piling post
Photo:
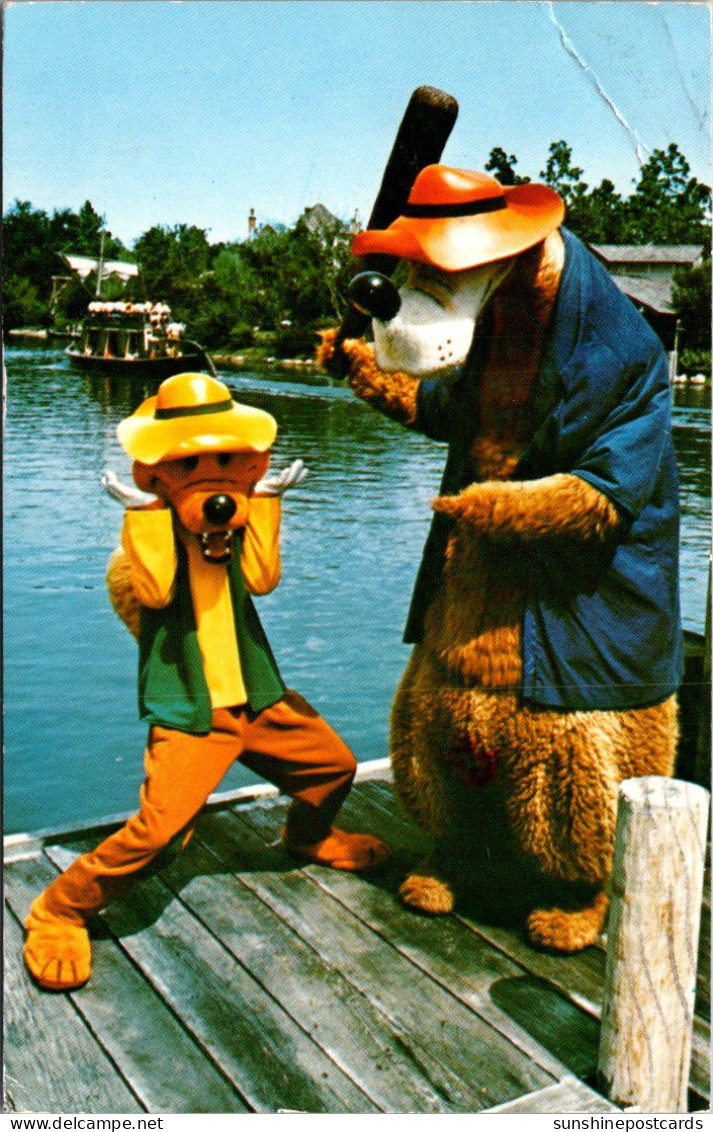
(702, 772)
(652, 951)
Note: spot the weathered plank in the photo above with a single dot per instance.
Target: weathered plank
(546, 1025)
(567, 1095)
(241, 849)
(537, 1020)
(578, 977)
(131, 1023)
(347, 977)
(559, 1022)
(52, 1061)
(336, 1016)
(269, 1060)
(470, 1047)
(374, 803)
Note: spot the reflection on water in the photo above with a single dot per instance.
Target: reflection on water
(352, 538)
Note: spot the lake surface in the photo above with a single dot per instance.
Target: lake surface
(352, 536)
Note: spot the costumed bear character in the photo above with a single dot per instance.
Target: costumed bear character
(545, 616)
(192, 554)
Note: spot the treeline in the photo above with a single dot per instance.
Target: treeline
(276, 288)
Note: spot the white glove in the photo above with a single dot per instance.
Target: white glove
(278, 484)
(127, 496)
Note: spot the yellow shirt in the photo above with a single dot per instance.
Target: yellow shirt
(149, 541)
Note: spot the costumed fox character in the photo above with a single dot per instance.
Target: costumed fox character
(545, 618)
(192, 554)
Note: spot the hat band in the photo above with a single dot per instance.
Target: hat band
(193, 410)
(464, 208)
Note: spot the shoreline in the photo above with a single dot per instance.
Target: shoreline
(306, 367)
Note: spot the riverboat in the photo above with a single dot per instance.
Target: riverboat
(126, 337)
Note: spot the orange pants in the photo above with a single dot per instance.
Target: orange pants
(289, 744)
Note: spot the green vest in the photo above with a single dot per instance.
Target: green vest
(173, 690)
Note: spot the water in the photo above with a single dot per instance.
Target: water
(352, 537)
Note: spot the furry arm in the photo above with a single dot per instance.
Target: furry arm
(561, 507)
(393, 394)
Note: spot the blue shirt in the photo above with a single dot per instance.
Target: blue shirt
(602, 407)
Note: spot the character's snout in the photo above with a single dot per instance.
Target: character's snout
(219, 509)
(374, 294)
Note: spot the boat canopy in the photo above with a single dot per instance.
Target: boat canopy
(84, 265)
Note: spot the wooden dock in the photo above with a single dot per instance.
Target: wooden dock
(234, 981)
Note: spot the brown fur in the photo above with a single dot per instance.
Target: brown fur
(511, 794)
(121, 591)
(393, 394)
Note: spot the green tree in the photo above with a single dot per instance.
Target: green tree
(284, 282)
(81, 233)
(502, 167)
(288, 281)
(669, 206)
(598, 217)
(225, 313)
(27, 250)
(560, 174)
(32, 241)
(691, 299)
(172, 260)
(593, 216)
(22, 306)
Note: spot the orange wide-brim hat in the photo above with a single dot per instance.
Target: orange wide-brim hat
(190, 414)
(456, 219)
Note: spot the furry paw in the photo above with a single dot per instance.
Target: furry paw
(566, 931)
(473, 506)
(427, 894)
(338, 850)
(57, 954)
(325, 350)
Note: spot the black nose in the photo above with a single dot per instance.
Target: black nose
(374, 294)
(219, 509)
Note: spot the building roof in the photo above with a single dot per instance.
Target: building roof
(653, 291)
(673, 254)
(317, 217)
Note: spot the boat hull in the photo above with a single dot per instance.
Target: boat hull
(138, 367)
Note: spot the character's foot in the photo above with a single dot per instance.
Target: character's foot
(559, 930)
(427, 893)
(340, 850)
(57, 953)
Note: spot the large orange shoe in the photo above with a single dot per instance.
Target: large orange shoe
(57, 953)
(339, 850)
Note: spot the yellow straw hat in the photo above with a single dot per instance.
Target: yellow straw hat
(194, 413)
